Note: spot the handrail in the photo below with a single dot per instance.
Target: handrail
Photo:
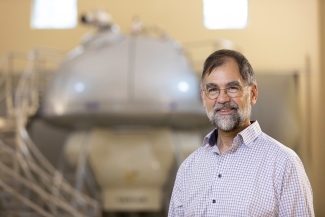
(34, 187)
(31, 204)
(47, 177)
(23, 112)
(6, 79)
(21, 117)
(30, 159)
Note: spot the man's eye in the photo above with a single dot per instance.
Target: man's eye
(213, 90)
(233, 89)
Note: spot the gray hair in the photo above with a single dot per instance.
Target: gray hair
(220, 57)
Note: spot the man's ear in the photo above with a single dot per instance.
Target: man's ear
(203, 98)
(254, 94)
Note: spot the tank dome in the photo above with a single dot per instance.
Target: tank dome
(113, 79)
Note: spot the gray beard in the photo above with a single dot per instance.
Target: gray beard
(232, 121)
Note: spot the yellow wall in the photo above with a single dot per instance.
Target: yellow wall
(281, 36)
(319, 177)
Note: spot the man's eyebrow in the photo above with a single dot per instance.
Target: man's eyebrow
(210, 85)
(232, 83)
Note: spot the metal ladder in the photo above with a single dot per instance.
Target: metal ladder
(29, 185)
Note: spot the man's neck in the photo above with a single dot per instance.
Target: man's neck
(224, 141)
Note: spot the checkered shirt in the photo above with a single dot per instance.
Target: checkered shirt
(257, 176)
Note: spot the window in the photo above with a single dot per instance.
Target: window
(54, 14)
(225, 14)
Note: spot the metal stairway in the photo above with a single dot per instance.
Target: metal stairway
(29, 185)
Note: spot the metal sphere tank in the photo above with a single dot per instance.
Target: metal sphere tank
(134, 104)
(113, 79)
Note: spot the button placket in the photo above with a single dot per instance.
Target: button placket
(218, 175)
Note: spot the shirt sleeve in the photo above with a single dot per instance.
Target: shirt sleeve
(176, 208)
(295, 197)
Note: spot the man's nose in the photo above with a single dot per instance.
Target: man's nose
(223, 97)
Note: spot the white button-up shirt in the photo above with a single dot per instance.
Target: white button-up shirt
(257, 176)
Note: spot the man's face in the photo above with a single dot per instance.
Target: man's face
(228, 113)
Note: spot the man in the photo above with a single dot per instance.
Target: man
(239, 170)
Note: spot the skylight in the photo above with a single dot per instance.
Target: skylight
(225, 14)
(54, 14)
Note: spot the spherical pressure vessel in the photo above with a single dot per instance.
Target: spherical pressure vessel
(113, 79)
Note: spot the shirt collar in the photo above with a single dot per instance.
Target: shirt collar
(248, 135)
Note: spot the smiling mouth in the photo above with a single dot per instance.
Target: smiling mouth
(225, 110)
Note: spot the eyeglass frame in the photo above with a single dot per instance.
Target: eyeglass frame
(226, 91)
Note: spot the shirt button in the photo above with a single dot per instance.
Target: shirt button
(219, 175)
(213, 201)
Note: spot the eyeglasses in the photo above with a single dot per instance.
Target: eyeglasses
(231, 91)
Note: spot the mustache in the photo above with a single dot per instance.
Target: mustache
(225, 105)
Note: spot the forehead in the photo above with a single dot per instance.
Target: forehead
(224, 74)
